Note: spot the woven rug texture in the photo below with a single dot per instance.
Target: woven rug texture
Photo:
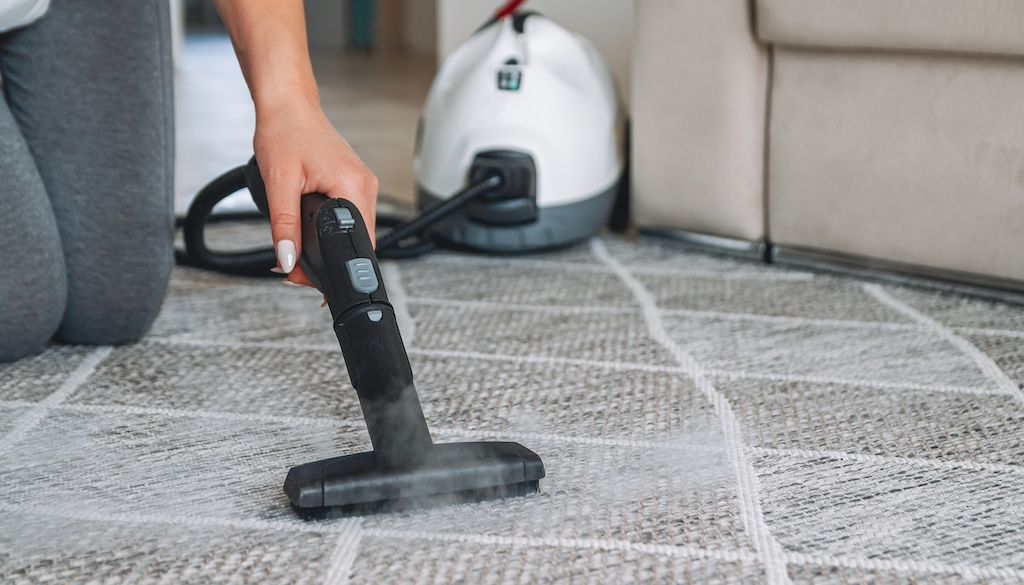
(702, 420)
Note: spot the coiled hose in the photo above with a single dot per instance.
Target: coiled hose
(405, 240)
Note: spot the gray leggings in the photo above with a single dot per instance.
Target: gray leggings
(86, 174)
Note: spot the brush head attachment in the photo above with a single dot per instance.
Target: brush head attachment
(448, 473)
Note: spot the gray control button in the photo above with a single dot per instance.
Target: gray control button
(360, 272)
(344, 217)
(375, 316)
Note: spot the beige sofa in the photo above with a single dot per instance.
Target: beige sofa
(876, 132)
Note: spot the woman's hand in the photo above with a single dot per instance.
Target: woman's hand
(297, 148)
(300, 152)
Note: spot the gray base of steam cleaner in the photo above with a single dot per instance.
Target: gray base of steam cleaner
(406, 468)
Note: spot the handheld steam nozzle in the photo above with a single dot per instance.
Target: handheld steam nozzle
(338, 257)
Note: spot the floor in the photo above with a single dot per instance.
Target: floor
(702, 420)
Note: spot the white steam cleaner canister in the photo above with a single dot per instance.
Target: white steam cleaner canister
(532, 101)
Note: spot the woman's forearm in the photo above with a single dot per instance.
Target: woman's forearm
(298, 149)
(269, 37)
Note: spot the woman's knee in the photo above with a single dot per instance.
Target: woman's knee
(33, 287)
(32, 307)
(115, 291)
(32, 303)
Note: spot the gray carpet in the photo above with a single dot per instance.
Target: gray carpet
(702, 420)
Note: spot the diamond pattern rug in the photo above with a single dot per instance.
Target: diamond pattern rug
(702, 420)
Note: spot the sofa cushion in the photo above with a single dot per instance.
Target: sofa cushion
(954, 26)
(913, 159)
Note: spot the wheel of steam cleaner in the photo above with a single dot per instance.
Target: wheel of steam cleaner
(520, 147)
(405, 463)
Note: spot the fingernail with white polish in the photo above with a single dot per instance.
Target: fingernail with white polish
(286, 255)
(277, 270)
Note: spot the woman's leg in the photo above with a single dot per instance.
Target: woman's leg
(32, 286)
(90, 87)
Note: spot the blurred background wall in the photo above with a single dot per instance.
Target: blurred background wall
(374, 60)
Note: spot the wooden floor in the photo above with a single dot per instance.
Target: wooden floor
(373, 101)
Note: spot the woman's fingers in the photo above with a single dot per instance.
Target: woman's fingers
(299, 153)
(284, 186)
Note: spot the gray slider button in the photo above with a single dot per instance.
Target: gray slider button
(344, 217)
(360, 272)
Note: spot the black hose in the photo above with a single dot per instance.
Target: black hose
(390, 246)
(258, 262)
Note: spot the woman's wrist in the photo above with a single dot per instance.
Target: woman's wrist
(270, 40)
(286, 98)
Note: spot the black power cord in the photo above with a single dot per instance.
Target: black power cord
(390, 245)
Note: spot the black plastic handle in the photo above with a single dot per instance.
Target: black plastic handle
(338, 257)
